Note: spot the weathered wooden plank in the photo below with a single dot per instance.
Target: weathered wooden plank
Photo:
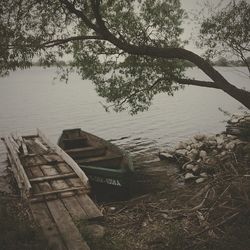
(34, 147)
(52, 177)
(67, 228)
(64, 168)
(59, 191)
(52, 157)
(27, 185)
(23, 145)
(14, 143)
(39, 143)
(75, 182)
(89, 207)
(66, 158)
(61, 184)
(15, 172)
(74, 208)
(42, 216)
(33, 160)
(49, 170)
(56, 184)
(43, 186)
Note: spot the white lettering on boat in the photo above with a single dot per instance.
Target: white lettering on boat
(108, 181)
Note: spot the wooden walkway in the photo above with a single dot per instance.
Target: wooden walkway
(55, 187)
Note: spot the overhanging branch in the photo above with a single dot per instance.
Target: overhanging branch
(70, 39)
(192, 82)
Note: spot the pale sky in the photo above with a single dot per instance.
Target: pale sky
(194, 7)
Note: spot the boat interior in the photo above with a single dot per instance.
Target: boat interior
(87, 149)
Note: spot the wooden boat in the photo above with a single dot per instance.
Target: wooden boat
(103, 162)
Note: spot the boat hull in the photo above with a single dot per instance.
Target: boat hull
(104, 163)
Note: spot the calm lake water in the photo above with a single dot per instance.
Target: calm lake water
(31, 99)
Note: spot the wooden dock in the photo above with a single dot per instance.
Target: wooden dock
(55, 187)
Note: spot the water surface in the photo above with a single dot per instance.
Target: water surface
(31, 99)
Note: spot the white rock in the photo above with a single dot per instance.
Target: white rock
(188, 148)
(230, 145)
(192, 154)
(238, 141)
(165, 156)
(235, 120)
(181, 145)
(199, 137)
(212, 143)
(195, 168)
(223, 153)
(211, 138)
(181, 151)
(194, 151)
(203, 174)
(214, 151)
(189, 176)
(219, 140)
(189, 142)
(199, 144)
(192, 167)
(203, 154)
(200, 180)
(232, 137)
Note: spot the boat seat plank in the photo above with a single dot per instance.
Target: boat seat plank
(66, 226)
(112, 161)
(75, 143)
(86, 151)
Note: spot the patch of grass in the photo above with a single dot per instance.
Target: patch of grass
(17, 231)
(236, 236)
(175, 237)
(105, 243)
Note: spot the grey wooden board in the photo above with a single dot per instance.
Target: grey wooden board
(89, 207)
(50, 230)
(4, 173)
(26, 184)
(65, 157)
(66, 226)
(74, 208)
(53, 177)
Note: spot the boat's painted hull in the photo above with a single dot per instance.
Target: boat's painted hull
(112, 167)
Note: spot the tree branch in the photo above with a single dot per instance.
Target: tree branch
(70, 39)
(80, 14)
(198, 83)
(220, 82)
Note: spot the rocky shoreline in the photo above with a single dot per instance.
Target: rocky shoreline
(201, 157)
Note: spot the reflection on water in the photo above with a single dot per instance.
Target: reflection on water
(31, 99)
